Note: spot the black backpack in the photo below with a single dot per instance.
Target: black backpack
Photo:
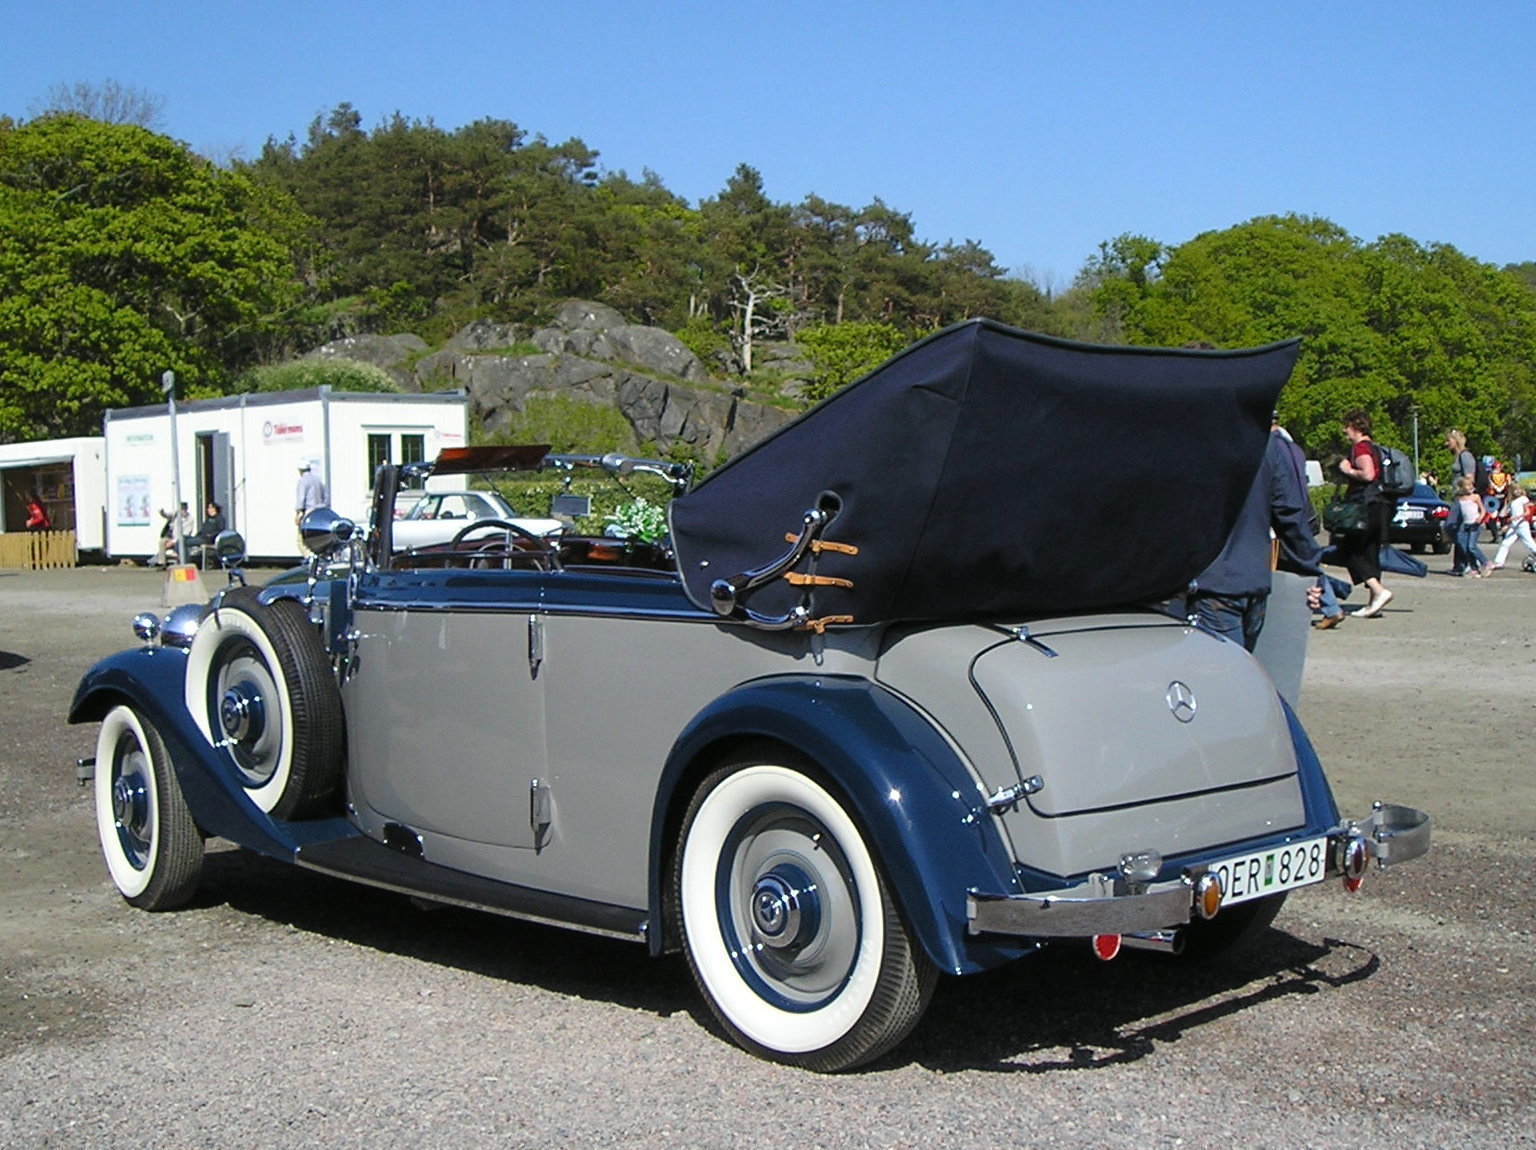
(1396, 472)
(1482, 482)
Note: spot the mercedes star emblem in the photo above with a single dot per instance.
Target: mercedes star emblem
(1181, 701)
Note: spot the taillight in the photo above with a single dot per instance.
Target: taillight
(1440, 513)
(1356, 858)
(1106, 946)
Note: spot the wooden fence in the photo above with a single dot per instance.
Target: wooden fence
(37, 550)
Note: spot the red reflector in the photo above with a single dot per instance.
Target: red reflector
(1106, 946)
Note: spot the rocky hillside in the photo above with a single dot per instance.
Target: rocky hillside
(589, 354)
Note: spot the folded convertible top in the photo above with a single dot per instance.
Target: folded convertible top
(987, 472)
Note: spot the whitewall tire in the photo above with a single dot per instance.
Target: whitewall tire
(789, 926)
(261, 690)
(153, 849)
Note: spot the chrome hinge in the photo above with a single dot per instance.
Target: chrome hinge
(535, 645)
(1007, 798)
(540, 811)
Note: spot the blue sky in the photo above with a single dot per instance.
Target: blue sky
(1038, 129)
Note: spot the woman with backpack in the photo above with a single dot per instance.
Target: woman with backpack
(1362, 472)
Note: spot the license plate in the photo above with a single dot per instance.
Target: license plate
(1272, 871)
(1410, 514)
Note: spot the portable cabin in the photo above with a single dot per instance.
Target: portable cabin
(67, 476)
(244, 453)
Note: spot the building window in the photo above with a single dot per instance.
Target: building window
(413, 448)
(378, 454)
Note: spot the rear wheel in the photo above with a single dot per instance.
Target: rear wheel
(153, 849)
(261, 689)
(790, 929)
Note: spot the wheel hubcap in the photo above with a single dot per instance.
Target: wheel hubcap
(242, 712)
(786, 910)
(131, 808)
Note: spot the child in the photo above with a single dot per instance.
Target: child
(1519, 524)
(1465, 523)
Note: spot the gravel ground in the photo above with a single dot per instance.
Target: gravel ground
(286, 1009)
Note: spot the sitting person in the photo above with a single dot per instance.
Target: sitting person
(208, 530)
(178, 523)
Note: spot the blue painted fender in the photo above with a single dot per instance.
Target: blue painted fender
(1316, 794)
(922, 810)
(151, 679)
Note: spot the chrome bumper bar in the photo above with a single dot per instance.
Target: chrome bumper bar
(1393, 834)
(1105, 904)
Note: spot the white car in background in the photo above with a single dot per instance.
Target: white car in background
(438, 516)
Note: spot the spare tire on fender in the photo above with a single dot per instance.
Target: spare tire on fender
(261, 689)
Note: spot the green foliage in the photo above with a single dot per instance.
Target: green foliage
(306, 374)
(534, 493)
(845, 351)
(639, 519)
(125, 255)
(568, 425)
(1391, 326)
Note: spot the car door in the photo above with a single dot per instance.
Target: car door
(445, 713)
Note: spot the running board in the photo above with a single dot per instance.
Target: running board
(363, 860)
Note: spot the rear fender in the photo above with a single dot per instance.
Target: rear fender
(923, 811)
(151, 679)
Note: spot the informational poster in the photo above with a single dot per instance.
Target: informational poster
(132, 501)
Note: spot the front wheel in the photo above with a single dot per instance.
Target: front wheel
(790, 929)
(153, 849)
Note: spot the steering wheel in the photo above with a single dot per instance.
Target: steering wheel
(541, 549)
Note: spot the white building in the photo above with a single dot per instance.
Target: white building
(67, 475)
(244, 453)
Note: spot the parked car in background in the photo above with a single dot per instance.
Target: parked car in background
(437, 516)
(1420, 520)
(842, 732)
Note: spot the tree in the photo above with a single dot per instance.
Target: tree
(108, 102)
(844, 352)
(123, 255)
(1393, 327)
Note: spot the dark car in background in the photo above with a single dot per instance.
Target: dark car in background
(1420, 520)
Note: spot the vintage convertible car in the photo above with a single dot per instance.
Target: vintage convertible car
(881, 707)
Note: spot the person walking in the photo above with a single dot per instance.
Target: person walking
(1361, 553)
(1519, 525)
(310, 494)
(1466, 524)
(1463, 462)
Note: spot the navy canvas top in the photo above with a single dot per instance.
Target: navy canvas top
(989, 472)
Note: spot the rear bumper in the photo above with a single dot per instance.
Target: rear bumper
(1110, 904)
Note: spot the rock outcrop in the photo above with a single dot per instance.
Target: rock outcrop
(592, 355)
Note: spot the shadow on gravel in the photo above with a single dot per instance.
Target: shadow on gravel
(9, 660)
(1062, 1010)
(561, 961)
(1057, 1011)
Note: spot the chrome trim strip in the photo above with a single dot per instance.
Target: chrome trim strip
(537, 608)
(637, 935)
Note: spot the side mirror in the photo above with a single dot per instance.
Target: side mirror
(323, 531)
(229, 546)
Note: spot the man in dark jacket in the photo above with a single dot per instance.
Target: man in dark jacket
(1230, 596)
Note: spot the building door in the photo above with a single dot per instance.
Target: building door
(215, 475)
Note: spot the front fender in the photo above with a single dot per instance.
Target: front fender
(151, 680)
(923, 811)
